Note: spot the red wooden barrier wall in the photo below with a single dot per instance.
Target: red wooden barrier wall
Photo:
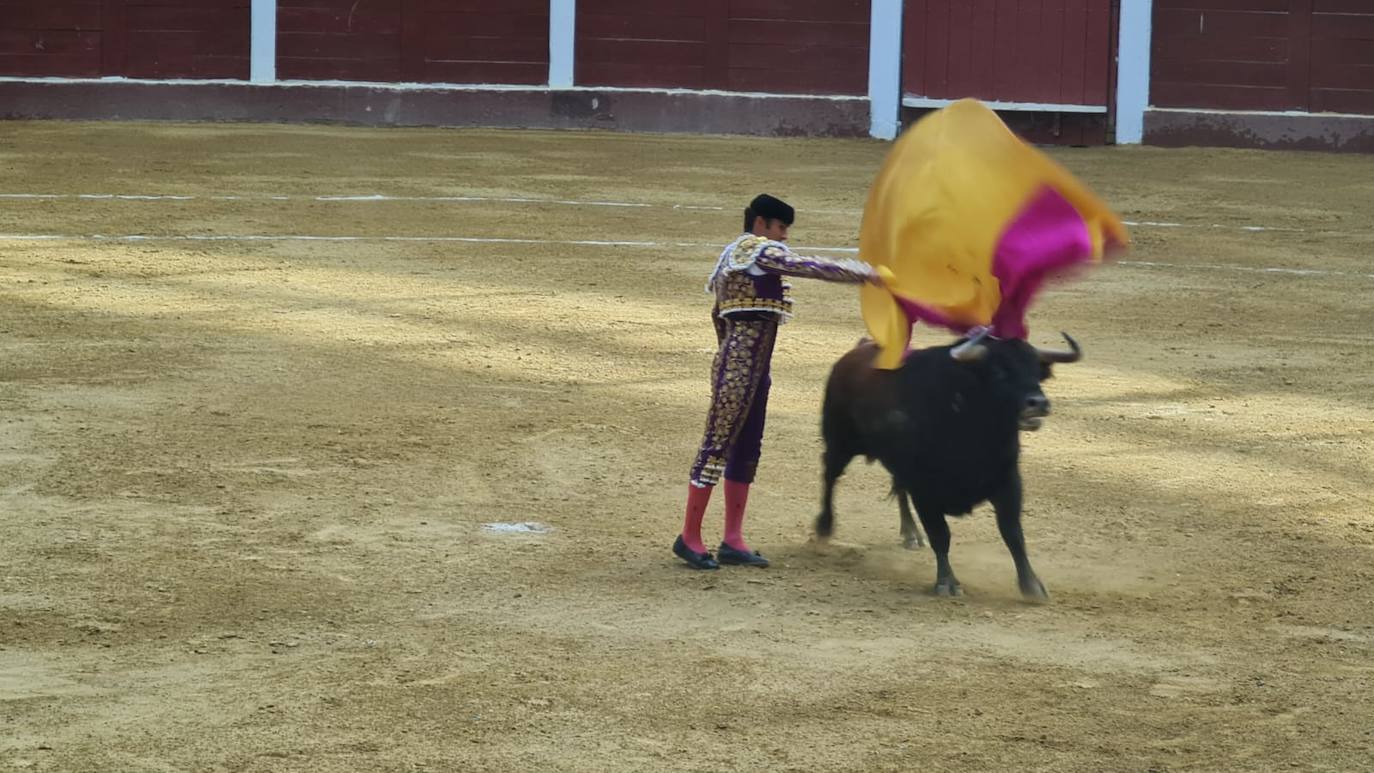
(782, 46)
(476, 41)
(1227, 54)
(50, 37)
(1342, 70)
(134, 38)
(462, 41)
(179, 38)
(1315, 55)
(339, 40)
(456, 41)
(1036, 51)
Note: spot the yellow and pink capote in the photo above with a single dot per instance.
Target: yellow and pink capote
(965, 222)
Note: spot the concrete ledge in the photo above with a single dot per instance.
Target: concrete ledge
(642, 110)
(1269, 131)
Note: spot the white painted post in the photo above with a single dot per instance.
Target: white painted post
(884, 68)
(562, 42)
(1133, 71)
(262, 67)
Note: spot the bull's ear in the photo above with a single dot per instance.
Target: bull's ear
(1046, 371)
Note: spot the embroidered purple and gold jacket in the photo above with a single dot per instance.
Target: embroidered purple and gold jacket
(749, 276)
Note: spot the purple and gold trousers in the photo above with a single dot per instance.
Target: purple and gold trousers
(739, 399)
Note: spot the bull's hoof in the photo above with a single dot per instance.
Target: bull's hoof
(948, 588)
(825, 526)
(913, 542)
(1034, 591)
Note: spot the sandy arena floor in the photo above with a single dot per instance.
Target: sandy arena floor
(243, 482)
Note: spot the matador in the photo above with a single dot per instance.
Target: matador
(752, 298)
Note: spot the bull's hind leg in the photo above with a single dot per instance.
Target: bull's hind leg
(1008, 507)
(911, 536)
(937, 530)
(834, 462)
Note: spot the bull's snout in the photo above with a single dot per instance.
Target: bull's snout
(1034, 411)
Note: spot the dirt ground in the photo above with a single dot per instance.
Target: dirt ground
(244, 482)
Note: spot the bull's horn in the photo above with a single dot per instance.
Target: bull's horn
(973, 349)
(1051, 355)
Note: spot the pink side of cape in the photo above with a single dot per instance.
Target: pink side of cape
(1047, 238)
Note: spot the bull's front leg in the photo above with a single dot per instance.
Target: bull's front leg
(937, 531)
(1008, 507)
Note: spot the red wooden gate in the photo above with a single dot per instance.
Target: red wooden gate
(1031, 53)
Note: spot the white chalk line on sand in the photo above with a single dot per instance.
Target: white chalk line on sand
(1246, 269)
(306, 238)
(373, 197)
(1302, 272)
(379, 197)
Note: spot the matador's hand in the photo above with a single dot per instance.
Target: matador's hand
(882, 277)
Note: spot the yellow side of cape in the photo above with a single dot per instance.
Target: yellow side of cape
(937, 209)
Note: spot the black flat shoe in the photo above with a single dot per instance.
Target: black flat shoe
(729, 555)
(694, 559)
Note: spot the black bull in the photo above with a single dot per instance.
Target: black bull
(945, 425)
